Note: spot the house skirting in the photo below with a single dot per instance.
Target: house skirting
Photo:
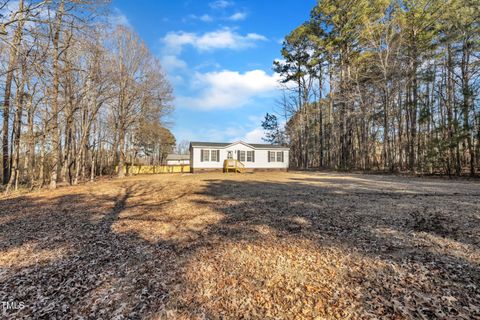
(200, 170)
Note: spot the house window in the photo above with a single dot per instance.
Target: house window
(250, 156)
(230, 155)
(205, 155)
(271, 156)
(215, 155)
(280, 156)
(241, 155)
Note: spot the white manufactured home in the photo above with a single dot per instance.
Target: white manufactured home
(178, 159)
(237, 156)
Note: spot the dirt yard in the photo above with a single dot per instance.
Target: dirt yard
(251, 246)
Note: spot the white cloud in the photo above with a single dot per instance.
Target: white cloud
(228, 89)
(220, 4)
(238, 16)
(118, 18)
(174, 41)
(248, 130)
(204, 18)
(227, 39)
(172, 63)
(207, 65)
(175, 68)
(218, 39)
(231, 132)
(254, 136)
(256, 118)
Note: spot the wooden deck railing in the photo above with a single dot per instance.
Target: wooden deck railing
(235, 165)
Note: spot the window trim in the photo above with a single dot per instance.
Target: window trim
(270, 158)
(214, 152)
(252, 156)
(205, 155)
(279, 153)
(240, 153)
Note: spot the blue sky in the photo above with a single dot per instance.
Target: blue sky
(218, 56)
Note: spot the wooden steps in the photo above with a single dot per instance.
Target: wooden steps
(233, 165)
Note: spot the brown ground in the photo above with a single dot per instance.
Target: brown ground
(261, 246)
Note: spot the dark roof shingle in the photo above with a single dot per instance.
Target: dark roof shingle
(225, 144)
(178, 157)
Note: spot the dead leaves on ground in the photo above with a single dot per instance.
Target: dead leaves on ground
(261, 246)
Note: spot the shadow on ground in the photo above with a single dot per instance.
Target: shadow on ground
(209, 247)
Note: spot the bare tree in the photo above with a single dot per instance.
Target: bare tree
(78, 91)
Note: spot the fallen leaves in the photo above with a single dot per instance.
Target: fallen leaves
(260, 246)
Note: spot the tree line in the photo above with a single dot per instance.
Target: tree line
(82, 95)
(389, 85)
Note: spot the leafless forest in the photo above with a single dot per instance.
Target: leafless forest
(81, 94)
(390, 85)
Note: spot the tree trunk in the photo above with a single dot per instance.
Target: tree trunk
(55, 92)
(121, 147)
(467, 102)
(12, 64)
(30, 152)
(17, 128)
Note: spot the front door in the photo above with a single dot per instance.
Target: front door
(230, 155)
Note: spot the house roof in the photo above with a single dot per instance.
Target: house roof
(226, 144)
(178, 157)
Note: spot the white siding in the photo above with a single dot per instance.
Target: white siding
(261, 157)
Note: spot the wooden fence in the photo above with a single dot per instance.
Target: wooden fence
(155, 169)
